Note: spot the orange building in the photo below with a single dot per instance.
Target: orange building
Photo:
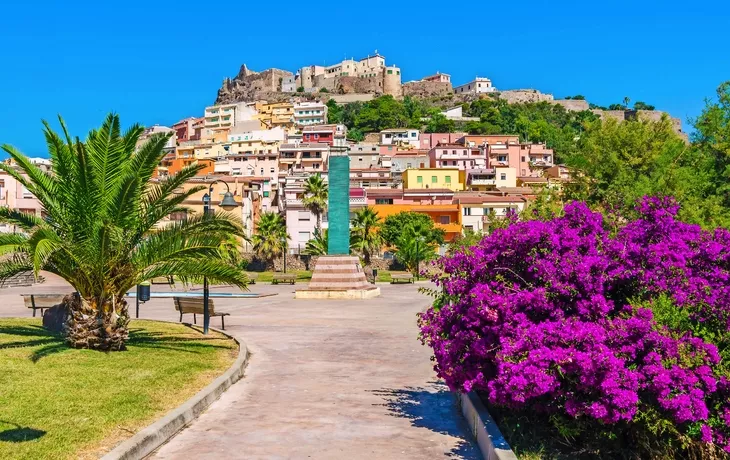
(444, 216)
(170, 165)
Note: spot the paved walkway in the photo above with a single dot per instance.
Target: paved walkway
(326, 380)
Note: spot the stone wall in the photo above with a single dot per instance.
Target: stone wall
(21, 279)
(573, 105)
(517, 96)
(646, 115)
(249, 86)
(427, 88)
(355, 85)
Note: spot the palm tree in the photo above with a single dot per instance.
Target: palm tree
(366, 237)
(315, 197)
(626, 101)
(269, 240)
(100, 231)
(317, 246)
(414, 246)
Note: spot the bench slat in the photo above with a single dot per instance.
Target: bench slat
(42, 300)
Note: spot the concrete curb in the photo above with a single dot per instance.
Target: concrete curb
(491, 443)
(153, 436)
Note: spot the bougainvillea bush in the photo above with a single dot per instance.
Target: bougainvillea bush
(621, 332)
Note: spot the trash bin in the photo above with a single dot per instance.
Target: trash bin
(143, 291)
(375, 274)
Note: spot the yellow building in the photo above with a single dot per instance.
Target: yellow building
(450, 178)
(276, 114)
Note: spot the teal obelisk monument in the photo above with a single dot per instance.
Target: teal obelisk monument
(338, 275)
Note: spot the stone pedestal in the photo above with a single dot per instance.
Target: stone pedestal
(338, 277)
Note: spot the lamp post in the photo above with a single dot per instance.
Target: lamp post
(227, 203)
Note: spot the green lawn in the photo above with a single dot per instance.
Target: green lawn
(303, 276)
(57, 402)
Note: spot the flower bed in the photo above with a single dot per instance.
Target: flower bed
(616, 338)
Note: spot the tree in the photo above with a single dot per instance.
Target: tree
(626, 101)
(617, 107)
(618, 163)
(464, 242)
(317, 246)
(269, 239)
(366, 238)
(100, 231)
(415, 245)
(638, 105)
(300, 89)
(382, 113)
(315, 196)
(440, 124)
(394, 224)
(324, 90)
(577, 97)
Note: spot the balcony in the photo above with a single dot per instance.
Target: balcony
(482, 181)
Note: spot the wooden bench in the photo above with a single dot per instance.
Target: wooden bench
(401, 277)
(194, 305)
(290, 278)
(42, 301)
(252, 277)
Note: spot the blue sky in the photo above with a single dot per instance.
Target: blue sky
(158, 61)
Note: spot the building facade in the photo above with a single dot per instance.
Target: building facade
(309, 113)
(479, 85)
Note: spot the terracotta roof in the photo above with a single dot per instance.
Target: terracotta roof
(430, 191)
(534, 180)
(488, 199)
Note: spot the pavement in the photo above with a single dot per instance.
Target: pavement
(327, 379)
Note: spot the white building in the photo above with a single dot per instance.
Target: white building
(289, 84)
(227, 115)
(477, 86)
(400, 136)
(310, 113)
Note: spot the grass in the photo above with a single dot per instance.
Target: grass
(57, 402)
(266, 277)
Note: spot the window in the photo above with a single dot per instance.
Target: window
(390, 72)
(266, 194)
(26, 193)
(453, 152)
(467, 211)
(413, 134)
(445, 219)
(304, 216)
(272, 170)
(468, 228)
(419, 179)
(448, 179)
(383, 201)
(502, 158)
(502, 176)
(262, 171)
(434, 179)
(524, 173)
(409, 165)
(523, 159)
(303, 237)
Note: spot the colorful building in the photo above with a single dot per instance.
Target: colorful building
(450, 178)
(445, 216)
(309, 113)
(478, 209)
(16, 197)
(457, 156)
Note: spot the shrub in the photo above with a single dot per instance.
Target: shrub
(624, 330)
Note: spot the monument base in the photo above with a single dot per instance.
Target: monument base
(338, 277)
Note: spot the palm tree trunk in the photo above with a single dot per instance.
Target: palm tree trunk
(96, 327)
(319, 221)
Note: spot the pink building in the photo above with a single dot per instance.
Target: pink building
(184, 130)
(301, 223)
(430, 140)
(324, 134)
(457, 156)
(15, 196)
(410, 196)
(439, 77)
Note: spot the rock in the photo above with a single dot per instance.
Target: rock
(55, 317)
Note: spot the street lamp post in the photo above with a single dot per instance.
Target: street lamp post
(227, 203)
